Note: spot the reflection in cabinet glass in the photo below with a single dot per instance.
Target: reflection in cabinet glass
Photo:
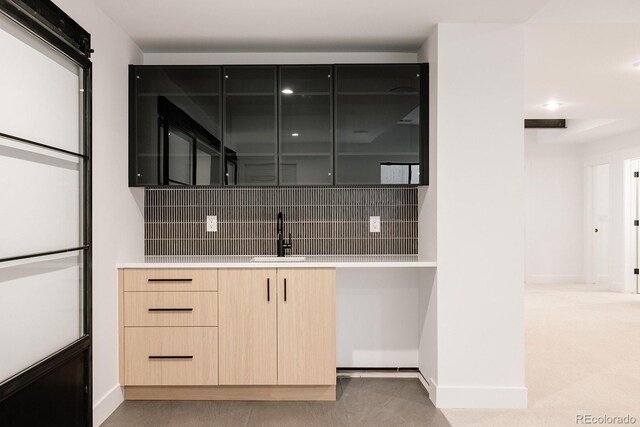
(377, 122)
(268, 125)
(250, 125)
(175, 123)
(305, 125)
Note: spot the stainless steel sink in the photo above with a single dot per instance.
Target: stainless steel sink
(279, 259)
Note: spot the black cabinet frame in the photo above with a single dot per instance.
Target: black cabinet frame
(229, 155)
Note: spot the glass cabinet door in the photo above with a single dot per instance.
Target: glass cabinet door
(250, 125)
(306, 154)
(377, 124)
(177, 109)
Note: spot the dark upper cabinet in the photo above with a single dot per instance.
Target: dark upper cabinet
(378, 133)
(362, 124)
(306, 139)
(250, 125)
(175, 126)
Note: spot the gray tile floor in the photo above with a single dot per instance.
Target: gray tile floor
(361, 402)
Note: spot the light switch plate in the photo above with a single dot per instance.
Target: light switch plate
(374, 224)
(212, 223)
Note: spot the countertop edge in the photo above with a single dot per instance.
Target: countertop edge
(355, 264)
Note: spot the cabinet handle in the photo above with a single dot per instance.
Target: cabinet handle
(285, 290)
(268, 291)
(170, 309)
(170, 357)
(169, 280)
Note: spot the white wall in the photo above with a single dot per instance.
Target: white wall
(554, 206)
(613, 151)
(117, 210)
(480, 216)
(427, 228)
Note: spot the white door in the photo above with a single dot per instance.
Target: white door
(600, 224)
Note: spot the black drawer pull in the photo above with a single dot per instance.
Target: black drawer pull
(285, 290)
(268, 291)
(162, 310)
(169, 280)
(170, 357)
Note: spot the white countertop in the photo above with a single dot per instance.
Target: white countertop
(244, 261)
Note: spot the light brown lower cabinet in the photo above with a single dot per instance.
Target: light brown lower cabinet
(171, 356)
(228, 334)
(277, 326)
(248, 330)
(306, 326)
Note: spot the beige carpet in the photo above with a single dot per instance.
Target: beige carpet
(582, 357)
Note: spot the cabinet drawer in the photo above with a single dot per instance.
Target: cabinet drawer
(170, 309)
(171, 356)
(166, 279)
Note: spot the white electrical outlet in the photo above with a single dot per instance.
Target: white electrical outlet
(374, 224)
(212, 223)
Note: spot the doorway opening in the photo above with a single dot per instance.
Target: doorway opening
(632, 171)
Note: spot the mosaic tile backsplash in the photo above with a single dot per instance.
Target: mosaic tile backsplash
(321, 220)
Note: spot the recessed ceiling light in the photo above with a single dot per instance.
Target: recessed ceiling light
(287, 91)
(295, 134)
(552, 105)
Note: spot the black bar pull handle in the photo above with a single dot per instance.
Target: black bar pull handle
(285, 290)
(163, 310)
(169, 280)
(268, 290)
(170, 357)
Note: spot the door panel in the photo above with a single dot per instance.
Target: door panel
(635, 184)
(601, 207)
(306, 326)
(305, 135)
(377, 110)
(45, 188)
(250, 125)
(247, 327)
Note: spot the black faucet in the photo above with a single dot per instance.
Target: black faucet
(282, 245)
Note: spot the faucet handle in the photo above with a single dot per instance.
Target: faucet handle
(289, 244)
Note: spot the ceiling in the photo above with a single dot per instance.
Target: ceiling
(300, 25)
(588, 68)
(577, 52)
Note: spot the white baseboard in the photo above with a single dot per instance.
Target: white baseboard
(479, 397)
(107, 404)
(426, 384)
(548, 279)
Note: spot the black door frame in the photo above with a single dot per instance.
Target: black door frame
(49, 23)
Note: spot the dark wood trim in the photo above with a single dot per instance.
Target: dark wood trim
(545, 123)
(34, 372)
